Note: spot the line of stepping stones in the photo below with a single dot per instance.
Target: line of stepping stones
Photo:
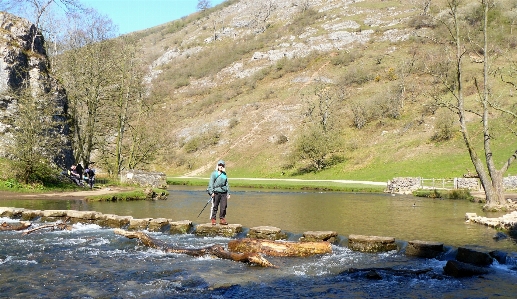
(468, 262)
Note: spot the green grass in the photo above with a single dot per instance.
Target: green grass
(137, 194)
(444, 194)
(282, 184)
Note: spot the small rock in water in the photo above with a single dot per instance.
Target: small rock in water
(500, 236)
(373, 275)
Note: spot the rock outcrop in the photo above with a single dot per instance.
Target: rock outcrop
(24, 64)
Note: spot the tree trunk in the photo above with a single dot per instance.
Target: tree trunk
(215, 250)
(494, 192)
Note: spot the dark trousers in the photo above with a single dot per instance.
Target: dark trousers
(219, 200)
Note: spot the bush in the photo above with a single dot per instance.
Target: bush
(444, 194)
(444, 126)
(205, 140)
(422, 21)
(281, 139)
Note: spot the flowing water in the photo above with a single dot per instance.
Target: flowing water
(93, 262)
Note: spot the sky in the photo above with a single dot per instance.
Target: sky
(135, 15)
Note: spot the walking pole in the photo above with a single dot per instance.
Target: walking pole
(204, 207)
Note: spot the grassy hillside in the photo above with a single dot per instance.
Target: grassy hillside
(236, 82)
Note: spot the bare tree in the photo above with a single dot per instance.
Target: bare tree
(37, 11)
(486, 108)
(85, 69)
(261, 16)
(203, 4)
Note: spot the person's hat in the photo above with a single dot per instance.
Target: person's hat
(221, 162)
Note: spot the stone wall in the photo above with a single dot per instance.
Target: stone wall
(472, 184)
(403, 185)
(144, 178)
(408, 184)
(510, 182)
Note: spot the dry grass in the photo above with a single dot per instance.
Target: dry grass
(210, 89)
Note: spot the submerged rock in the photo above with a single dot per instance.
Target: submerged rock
(459, 269)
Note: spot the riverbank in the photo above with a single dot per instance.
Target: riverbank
(80, 194)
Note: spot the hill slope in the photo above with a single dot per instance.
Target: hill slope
(244, 80)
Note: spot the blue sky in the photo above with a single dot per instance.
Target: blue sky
(134, 15)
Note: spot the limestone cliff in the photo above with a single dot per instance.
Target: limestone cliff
(24, 64)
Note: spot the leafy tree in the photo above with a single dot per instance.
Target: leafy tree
(136, 138)
(316, 146)
(37, 139)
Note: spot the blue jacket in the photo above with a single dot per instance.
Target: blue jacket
(218, 183)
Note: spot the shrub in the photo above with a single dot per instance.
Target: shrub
(422, 21)
(281, 139)
(444, 126)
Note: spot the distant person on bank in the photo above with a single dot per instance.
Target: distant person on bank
(89, 174)
(219, 190)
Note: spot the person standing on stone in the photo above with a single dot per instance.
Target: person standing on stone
(219, 190)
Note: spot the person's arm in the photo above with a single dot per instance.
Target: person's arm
(227, 187)
(211, 185)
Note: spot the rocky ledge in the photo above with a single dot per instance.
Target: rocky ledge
(506, 222)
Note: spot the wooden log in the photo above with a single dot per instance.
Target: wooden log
(276, 248)
(214, 250)
(58, 226)
(7, 227)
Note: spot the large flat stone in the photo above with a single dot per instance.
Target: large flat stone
(425, 249)
(30, 215)
(138, 224)
(158, 224)
(371, 243)
(209, 230)
(113, 221)
(267, 233)
(180, 227)
(11, 212)
(470, 256)
(315, 236)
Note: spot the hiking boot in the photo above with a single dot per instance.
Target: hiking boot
(213, 222)
(223, 222)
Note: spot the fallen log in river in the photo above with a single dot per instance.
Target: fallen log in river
(215, 250)
(249, 249)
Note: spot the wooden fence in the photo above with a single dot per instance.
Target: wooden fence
(437, 183)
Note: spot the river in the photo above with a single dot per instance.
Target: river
(93, 262)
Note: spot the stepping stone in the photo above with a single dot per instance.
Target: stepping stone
(267, 233)
(371, 243)
(209, 230)
(473, 257)
(157, 225)
(425, 249)
(181, 227)
(316, 236)
(138, 224)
